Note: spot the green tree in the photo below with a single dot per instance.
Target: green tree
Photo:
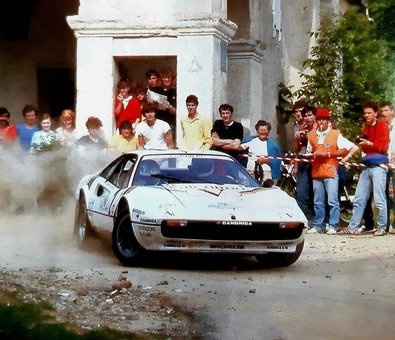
(351, 63)
(383, 14)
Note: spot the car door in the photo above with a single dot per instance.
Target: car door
(106, 191)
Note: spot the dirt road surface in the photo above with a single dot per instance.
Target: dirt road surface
(341, 287)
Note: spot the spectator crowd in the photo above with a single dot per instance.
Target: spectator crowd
(145, 118)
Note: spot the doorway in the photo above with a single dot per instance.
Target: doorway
(55, 90)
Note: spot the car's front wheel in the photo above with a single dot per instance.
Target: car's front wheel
(280, 259)
(124, 243)
(82, 227)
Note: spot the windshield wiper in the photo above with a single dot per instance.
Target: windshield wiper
(172, 178)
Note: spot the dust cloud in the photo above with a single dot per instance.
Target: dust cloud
(37, 205)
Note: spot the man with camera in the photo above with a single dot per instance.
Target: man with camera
(374, 144)
(304, 182)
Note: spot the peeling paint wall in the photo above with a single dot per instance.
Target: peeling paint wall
(213, 58)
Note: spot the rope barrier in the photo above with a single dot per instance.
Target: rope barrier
(310, 160)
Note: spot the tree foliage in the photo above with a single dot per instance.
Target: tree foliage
(383, 13)
(351, 63)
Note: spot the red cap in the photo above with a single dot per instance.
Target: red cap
(322, 112)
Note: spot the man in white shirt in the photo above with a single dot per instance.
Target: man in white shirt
(153, 133)
(386, 111)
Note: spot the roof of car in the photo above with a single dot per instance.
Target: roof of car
(177, 152)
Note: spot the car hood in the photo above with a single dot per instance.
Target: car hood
(211, 201)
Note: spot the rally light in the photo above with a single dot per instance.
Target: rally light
(289, 225)
(176, 223)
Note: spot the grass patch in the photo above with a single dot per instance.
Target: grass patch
(34, 321)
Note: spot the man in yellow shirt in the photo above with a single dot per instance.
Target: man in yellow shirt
(196, 131)
(125, 141)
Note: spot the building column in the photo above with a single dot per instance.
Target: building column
(95, 71)
(202, 67)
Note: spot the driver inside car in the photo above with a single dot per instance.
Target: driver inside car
(147, 173)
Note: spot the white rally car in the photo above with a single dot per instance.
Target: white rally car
(187, 202)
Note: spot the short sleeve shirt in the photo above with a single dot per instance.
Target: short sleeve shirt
(256, 147)
(154, 135)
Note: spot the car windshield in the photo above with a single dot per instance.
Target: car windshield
(191, 168)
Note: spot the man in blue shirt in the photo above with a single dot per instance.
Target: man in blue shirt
(26, 129)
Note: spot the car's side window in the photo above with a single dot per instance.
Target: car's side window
(120, 171)
(126, 173)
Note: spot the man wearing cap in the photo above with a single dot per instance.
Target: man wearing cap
(326, 145)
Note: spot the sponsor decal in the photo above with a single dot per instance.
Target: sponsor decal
(104, 204)
(222, 205)
(236, 223)
(144, 234)
(149, 220)
(277, 247)
(147, 228)
(227, 246)
(174, 245)
(137, 211)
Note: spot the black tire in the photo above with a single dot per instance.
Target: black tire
(124, 243)
(280, 259)
(82, 228)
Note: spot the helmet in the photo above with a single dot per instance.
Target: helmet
(202, 167)
(146, 172)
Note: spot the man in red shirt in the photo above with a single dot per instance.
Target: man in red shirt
(374, 144)
(126, 106)
(8, 132)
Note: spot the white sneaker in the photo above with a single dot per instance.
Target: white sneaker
(360, 230)
(379, 232)
(331, 231)
(312, 231)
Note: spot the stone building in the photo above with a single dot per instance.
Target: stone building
(61, 54)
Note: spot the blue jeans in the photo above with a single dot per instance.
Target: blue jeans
(304, 190)
(371, 180)
(326, 189)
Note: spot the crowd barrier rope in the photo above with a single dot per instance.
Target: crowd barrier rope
(308, 158)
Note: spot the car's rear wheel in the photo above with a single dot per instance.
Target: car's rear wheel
(82, 228)
(280, 259)
(124, 243)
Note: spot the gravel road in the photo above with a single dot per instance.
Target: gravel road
(341, 287)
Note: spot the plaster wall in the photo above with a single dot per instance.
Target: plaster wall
(298, 21)
(196, 46)
(255, 66)
(158, 11)
(189, 36)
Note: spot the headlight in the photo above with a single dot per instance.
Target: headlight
(290, 225)
(175, 223)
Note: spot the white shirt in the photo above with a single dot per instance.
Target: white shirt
(154, 135)
(391, 148)
(66, 137)
(342, 142)
(256, 147)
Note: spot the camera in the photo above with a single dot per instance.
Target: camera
(360, 138)
(303, 134)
